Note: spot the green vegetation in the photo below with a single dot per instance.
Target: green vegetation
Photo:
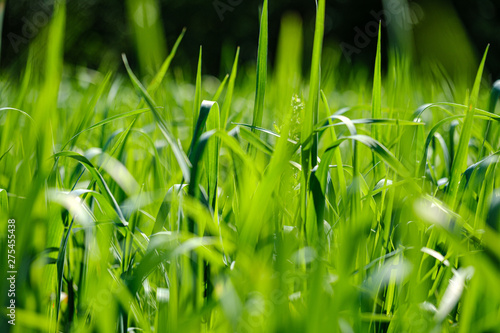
(263, 202)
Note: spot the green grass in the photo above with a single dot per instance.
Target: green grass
(260, 202)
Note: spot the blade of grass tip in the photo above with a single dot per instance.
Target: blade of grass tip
(377, 87)
(230, 89)
(178, 152)
(377, 100)
(157, 80)
(197, 95)
(260, 92)
(221, 88)
(460, 160)
(309, 151)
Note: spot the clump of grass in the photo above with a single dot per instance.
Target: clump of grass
(145, 207)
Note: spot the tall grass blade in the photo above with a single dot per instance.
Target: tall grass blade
(179, 154)
(157, 80)
(311, 115)
(197, 94)
(377, 98)
(260, 91)
(460, 160)
(226, 107)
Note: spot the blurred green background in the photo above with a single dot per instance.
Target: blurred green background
(100, 30)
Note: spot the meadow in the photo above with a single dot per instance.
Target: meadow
(267, 200)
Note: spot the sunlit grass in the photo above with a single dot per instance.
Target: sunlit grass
(259, 202)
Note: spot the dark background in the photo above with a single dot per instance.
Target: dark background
(99, 29)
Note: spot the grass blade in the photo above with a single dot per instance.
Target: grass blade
(460, 160)
(260, 91)
(157, 80)
(221, 88)
(197, 94)
(226, 107)
(311, 117)
(179, 154)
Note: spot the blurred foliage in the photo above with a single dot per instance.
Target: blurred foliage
(102, 29)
